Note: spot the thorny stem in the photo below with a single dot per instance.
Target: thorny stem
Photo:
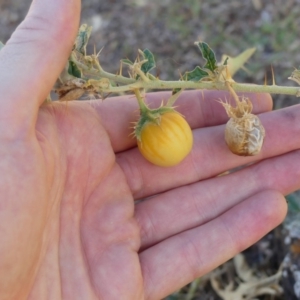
(170, 85)
(100, 73)
(89, 65)
(145, 83)
(143, 76)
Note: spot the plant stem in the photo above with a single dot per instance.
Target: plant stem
(142, 75)
(238, 87)
(131, 84)
(98, 74)
(141, 102)
(239, 104)
(173, 98)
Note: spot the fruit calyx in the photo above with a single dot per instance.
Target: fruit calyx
(149, 115)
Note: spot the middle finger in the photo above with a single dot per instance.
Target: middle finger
(187, 207)
(210, 155)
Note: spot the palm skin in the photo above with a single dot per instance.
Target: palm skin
(70, 175)
(89, 222)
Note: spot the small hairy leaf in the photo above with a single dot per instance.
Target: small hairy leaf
(82, 39)
(74, 70)
(295, 76)
(209, 55)
(150, 64)
(196, 75)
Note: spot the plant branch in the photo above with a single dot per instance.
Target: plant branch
(238, 87)
(100, 73)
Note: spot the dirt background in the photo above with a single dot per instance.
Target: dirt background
(169, 29)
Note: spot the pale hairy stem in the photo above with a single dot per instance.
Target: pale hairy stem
(235, 96)
(238, 87)
(141, 101)
(100, 73)
(145, 83)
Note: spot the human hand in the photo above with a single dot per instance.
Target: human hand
(70, 174)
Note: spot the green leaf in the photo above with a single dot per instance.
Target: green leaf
(150, 64)
(127, 61)
(196, 75)
(82, 39)
(209, 55)
(74, 70)
(1, 45)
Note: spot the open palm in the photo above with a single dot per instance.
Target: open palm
(70, 175)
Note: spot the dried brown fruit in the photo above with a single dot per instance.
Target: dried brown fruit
(72, 94)
(244, 133)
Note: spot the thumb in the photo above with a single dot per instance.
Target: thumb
(32, 60)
